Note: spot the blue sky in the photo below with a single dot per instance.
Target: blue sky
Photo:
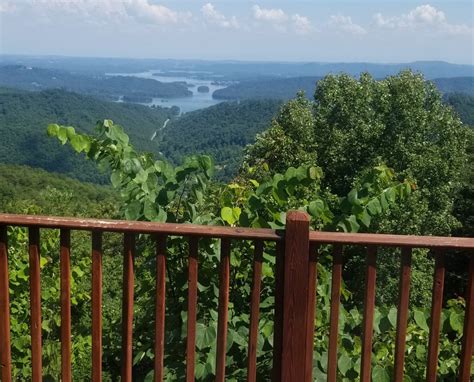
(330, 31)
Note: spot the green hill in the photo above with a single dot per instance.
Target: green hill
(106, 87)
(38, 190)
(221, 130)
(24, 117)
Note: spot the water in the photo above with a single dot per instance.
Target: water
(196, 101)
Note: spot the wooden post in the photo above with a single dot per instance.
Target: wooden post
(297, 314)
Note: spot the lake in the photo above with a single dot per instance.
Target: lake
(196, 101)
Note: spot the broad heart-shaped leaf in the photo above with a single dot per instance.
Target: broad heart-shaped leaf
(392, 316)
(133, 210)
(53, 129)
(374, 207)
(420, 319)
(344, 363)
(456, 321)
(62, 134)
(227, 215)
(205, 335)
(379, 374)
(80, 143)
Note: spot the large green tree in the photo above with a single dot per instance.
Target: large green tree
(355, 124)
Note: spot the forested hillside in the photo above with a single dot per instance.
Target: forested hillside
(32, 78)
(34, 188)
(221, 131)
(24, 117)
(286, 88)
(464, 106)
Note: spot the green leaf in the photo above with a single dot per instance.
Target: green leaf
(133, 210)
(53, 130)
(456, 321)
(344, 363)
(227, 215)
(62, 134)
(392, 316)
(420, 319)
(380, 374)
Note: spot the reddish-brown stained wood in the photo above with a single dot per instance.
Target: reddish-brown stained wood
(254, 312)
(65, 270)
(192, 308)
(468, 335)
(96, 306)
(5, 349)
(127, 306)
(436, 306)
(224, 280)
(296, 315)
(312, 280)
(334, 314)
(384, 240)
(35, 303)
(402, 313)
(369, 309)
(140, 227)
(160, 307)
(233, 232)
(278, 312)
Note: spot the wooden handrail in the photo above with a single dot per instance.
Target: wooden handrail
(295, 294)
(241, 233)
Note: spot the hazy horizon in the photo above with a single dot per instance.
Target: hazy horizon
(265, 31)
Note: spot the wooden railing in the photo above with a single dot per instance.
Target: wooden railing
(295, 294)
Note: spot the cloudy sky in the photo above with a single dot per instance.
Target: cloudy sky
(311, 30)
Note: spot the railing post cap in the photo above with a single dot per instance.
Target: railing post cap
(297, 215)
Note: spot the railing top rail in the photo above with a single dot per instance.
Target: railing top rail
(139, 227)
(385, 240)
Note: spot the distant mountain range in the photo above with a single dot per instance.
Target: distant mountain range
(286, 88)
(237, 70)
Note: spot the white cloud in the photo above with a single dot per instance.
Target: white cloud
(100, 11)
(422, 17)
(269, 14)
(301, 24)
(345, 24)
(212, 16)
(144, 11)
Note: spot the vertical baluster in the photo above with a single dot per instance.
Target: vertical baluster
(296, 313)
(254, 312)
(192, 308)
(224, 280)
(35, 301)
(5, 349)
(436, 305)
(160, 307)
(312, 281)
(334, 314)
(402, 313)
(127, 306)
(278, 315)
(369, 309)
(96, 306)
(65, 269)
(468, 335)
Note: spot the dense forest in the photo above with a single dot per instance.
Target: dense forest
(107, 87)
(24, 116)
(286, 88)
(221, 131)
